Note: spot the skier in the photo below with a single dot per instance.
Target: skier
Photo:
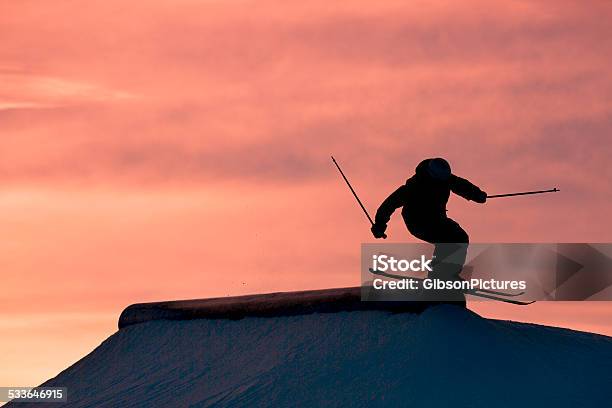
(423, 200)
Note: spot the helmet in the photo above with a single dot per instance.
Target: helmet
(439, 169)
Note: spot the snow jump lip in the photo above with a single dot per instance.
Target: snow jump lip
(262, 305)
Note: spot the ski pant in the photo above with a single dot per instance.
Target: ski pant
(451, 244)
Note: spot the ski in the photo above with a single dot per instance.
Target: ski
(501, 299)
(484, 293)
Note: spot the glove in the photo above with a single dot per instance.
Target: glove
(480, 197)
(378, 230)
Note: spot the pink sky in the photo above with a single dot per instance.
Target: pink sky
(180, 149)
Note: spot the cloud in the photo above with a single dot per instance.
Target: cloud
(28, 91)
(226, 95)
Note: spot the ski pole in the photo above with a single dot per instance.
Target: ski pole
(354, 193)
(554, 190)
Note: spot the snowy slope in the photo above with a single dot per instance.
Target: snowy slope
(444, 357)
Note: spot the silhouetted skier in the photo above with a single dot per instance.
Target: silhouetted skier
(423, 200)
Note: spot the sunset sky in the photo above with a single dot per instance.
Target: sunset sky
(180, 149)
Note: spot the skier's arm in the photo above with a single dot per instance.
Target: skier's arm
(467, 190)
(386, 209)
(391, 203)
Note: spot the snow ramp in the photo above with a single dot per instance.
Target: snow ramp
(262, 305)
(444, 356)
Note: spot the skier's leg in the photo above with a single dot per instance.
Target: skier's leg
(449, 256)
(450, 250)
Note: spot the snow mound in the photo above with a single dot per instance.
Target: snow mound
(445, 356)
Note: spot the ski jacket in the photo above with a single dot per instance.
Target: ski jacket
(422, 198)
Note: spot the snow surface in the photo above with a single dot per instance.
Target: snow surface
(444, 357)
